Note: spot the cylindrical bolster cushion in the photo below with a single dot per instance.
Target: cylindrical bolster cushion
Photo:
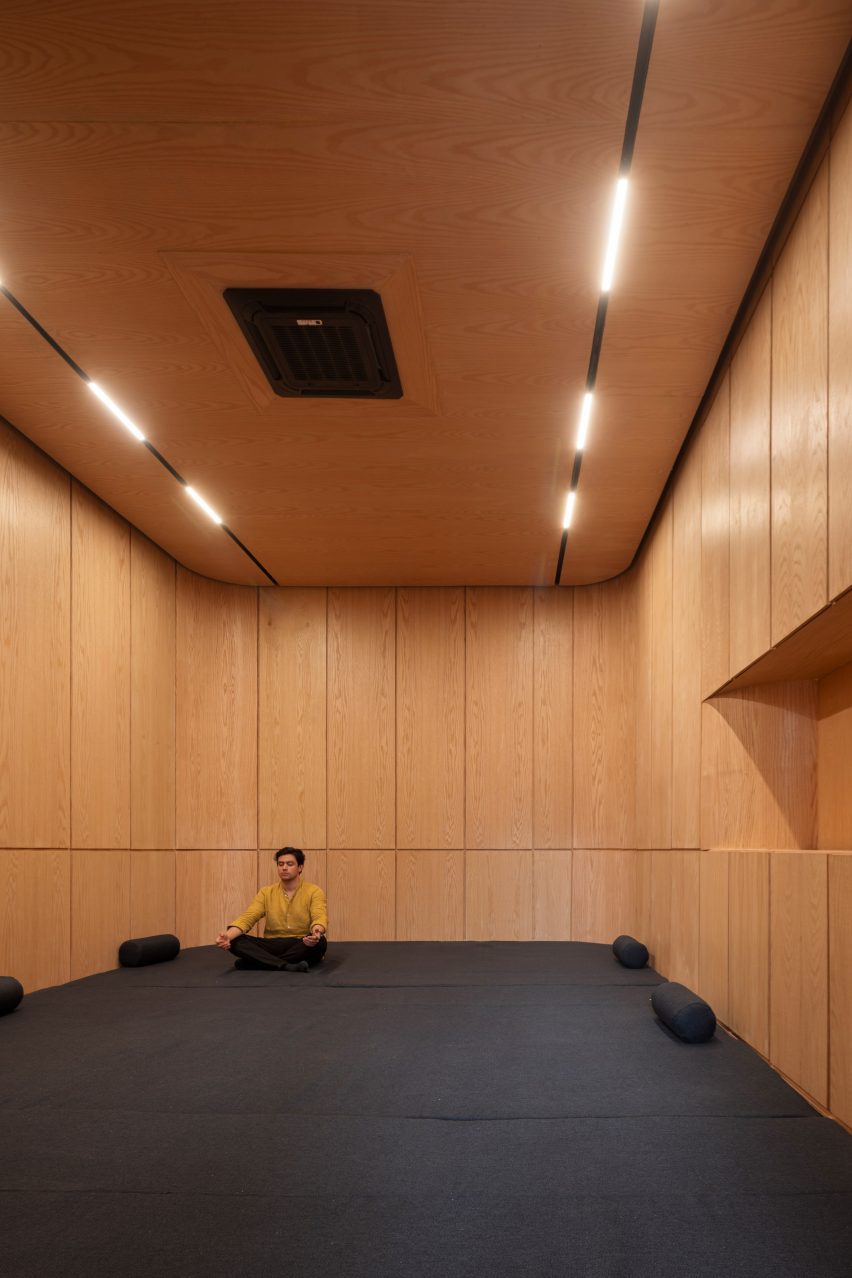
(148, 949)
(629, 951)
(11, 993)
(685, 1013)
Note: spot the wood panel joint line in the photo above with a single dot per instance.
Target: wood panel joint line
(84, 376)
(130, 701)
(827, 372)
(395, 748)
(70, 688)
(257, 724)
(761, 277)
(327, 654)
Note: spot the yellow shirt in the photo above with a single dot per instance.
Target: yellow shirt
(285, 917)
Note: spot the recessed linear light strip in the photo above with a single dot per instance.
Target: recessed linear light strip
(131, 426)
(637, 92)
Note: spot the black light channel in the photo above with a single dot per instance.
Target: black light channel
(631, 128)
(146, 443)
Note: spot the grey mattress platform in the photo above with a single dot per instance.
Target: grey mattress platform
(405, 1109)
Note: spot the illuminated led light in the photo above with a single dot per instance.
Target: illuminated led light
(569, 510)
(116, 411)
(614, 234)
(199, 501)
(585, 414)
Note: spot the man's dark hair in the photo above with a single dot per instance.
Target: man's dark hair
(296, 852)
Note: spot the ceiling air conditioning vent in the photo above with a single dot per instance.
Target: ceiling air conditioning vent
(326, 343)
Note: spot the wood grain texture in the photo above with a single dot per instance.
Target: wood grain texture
(643, 922)
(748, 947)
(605, 715)
(819, 646)
(362, 895)
(292, 717)
(798, 969)
(654, 688)
(361, 714)
(750, 576)
(152, 695)
(434, 57)
(799, 418)
(715, 543)
(498, 896)
(471, 112)
(35, 902)
(152, 892)
(657, 258)
(35, 646)
(840, 360)
(686, 654)
(552, 876)
(366, 105)
(203, 278)
(840, 986)
(675, 914)
(100, 909)
(834, 748)
(713, 931)
(553, 754)
(430, 895)
(314, 869)
(212, 888)
(499, 718)
(100, 675)
(216, 714)
(603, 894)
(759, 754)
(430, 718)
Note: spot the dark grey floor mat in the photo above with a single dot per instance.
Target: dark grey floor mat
(404, 1111)
(371, 1052)
(426, 963)
(131, 1152)
(48, 1235)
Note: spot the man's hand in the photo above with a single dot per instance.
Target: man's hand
(223, 940)
(314, 935)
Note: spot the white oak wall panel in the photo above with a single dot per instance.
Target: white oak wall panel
(152, 695)
(553, 754)
(292, 718)
(430, 718)
(605, 716)
(361, 718)
(100, 674)
(35, 647)
(216, 718)
(799, 418)
(499, 704)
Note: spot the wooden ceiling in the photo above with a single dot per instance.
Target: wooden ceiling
(457, 156)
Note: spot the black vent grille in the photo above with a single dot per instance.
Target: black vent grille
(319, 342)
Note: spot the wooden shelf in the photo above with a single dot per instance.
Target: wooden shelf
(822, 644)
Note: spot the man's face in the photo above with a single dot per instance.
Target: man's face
(288, 868)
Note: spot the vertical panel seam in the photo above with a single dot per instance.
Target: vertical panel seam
(70, 725)
(534, 716)
(827, 162)
(130, 703)
(256, 724)
(464, 770)
(394, 756)
(771, 290)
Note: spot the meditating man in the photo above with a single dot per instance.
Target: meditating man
(296, 921)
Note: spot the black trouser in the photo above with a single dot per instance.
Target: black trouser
(275, 951)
